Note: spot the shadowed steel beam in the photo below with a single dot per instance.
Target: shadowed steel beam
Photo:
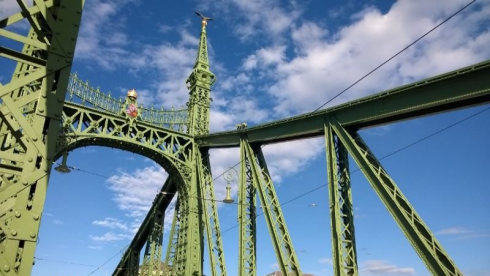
(421, 238)
(461, 88)
(341, 212)
(153, 253)
(161, 203)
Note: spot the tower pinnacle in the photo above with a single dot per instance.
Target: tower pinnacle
(199, 84)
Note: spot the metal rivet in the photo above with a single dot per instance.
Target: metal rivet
(41, 110)
(34, 139)
(17, 214)
(6, 268)
(24, 182)
(32, 235)
(14, 233)
(29, 159)
(35, 217)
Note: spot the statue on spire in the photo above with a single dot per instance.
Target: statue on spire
(204, 18)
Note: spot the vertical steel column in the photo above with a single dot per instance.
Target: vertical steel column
(180, 256)
(30, 113)
(173, 238)
(153, 253)
(247, 213)
(341, 212)
(283, 246)
(421, 238)
(210, 212)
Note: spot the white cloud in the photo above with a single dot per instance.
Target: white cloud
(57, 222)
(326, 261)
(134, 192)
(328, 63)
(453, 231)
(95, 247)
(111, 223)
(379, 267)
(110, 237)
(463, 233)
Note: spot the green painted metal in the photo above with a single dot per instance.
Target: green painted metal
(247, 213)
(152, 260)
(161, 202)
(210, 214)
(81, 92)
(344, 254)
(283, 246)
(199, 84)
(173, 239)
(37, 126)
(421, 238)
(31, 105)
(430, 96)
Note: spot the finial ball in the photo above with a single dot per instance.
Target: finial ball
(132, 93)
(204, 22)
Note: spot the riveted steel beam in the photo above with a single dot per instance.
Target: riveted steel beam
(29, 124)
(421, 238)
(341, 212)
(283, 246)
(465, 87)
(247, 214)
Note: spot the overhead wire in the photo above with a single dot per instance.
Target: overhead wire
(324, 104)
(379, 159)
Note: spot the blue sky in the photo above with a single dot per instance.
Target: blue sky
(275, 59)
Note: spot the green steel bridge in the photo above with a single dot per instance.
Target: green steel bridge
(46, 111)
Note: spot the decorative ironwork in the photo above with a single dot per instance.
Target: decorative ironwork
(82, 92)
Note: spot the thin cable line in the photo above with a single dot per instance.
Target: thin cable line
(100, 266)
(359, 80)
(63, 262)
(382, 158)
(330, 100)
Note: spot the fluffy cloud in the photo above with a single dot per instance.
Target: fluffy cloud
(110, 237)
(378, 267)
(326, 64)
(111, 223)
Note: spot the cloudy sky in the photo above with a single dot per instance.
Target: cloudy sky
(275, 59)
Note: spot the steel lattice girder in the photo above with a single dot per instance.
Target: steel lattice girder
(461, 88)
(421, 238)
(283, 246)
(83, 126)
(173, 238)
(341, 212)
(247, 213)
(29, 122)
(210, 214)
(161, 202)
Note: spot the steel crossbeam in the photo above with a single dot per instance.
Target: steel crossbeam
(430, 96)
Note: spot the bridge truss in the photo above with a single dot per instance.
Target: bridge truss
(45, 112)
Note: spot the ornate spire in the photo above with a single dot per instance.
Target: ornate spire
(199, 85)
(202, 54)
